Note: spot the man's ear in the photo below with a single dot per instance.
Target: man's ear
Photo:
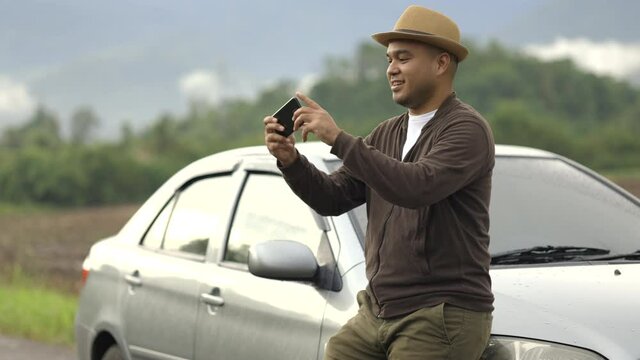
(443, 62)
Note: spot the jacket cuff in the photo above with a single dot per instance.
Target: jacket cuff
(343, 144)
(295, 169)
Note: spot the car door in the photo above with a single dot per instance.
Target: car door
(161, 304)
(258, 318)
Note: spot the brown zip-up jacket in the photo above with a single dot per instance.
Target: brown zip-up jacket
(428, 214)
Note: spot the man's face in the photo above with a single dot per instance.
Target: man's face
(412, 72)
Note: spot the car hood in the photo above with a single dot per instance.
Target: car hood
(591, 306)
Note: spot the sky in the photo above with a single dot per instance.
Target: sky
(133, 60)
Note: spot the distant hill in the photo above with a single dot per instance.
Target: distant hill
(549, 105)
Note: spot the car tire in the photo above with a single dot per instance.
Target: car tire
(113, 353)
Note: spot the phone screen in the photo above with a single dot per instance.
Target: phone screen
(285, 115)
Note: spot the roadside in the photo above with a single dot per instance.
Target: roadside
(628, 179)
(49, 245)
(36, 310)
(21, 349)
(632, 185)
(41, 253)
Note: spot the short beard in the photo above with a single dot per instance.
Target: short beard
(418, 97)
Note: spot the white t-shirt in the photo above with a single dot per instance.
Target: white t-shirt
(414, 128)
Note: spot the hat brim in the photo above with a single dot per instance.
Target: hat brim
(451, 46)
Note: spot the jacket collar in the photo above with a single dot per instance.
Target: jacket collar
(443, 109)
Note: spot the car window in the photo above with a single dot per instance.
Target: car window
(269, 210)
(195, 215)
(539, 202)
(153, 237)
(199, 215)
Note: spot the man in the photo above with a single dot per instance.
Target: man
(425, 176)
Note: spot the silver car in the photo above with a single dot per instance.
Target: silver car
(225, 262)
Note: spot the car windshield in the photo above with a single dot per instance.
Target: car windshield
(550, 202)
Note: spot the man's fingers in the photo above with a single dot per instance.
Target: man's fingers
(298, 122)
(304, 112)
(305, 133)
(269, 119)
(273, 127)
(308, 101)
(276, 138)
(279, 146)
(300, 111)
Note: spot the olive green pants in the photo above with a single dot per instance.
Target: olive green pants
(440, 332)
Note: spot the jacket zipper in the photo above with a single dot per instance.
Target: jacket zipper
(384, 231)
(373, 292)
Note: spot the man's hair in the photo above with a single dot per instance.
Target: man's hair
(454, 62)
(435, 50)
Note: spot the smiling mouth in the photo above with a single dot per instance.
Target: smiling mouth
(395, 84)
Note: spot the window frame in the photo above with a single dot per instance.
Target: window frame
(153, 222)
(321, 222)
(175, 197)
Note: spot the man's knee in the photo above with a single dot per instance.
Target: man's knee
(342, 347)
(356, 340)
(472, 343)
(335, 347)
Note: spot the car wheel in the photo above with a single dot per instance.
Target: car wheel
(113, 353)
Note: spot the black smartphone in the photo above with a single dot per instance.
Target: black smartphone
(285, 115)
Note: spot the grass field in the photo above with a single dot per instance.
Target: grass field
(41, 253)
(31, 309)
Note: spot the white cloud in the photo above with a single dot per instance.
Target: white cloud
(612, 58)
(16, 103)
(307, 83)
(201, 86)
(214, 86)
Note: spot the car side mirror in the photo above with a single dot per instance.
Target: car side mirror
(282, 260)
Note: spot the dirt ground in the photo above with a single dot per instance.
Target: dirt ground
(51, 245)
(631, 185)
(21, 349)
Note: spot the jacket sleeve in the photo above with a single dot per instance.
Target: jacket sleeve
(463, 151)
(328, 194)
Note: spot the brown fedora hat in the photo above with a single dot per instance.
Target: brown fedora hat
(428, 26)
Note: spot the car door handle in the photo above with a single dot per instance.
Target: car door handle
(133, 279)
(212, 299)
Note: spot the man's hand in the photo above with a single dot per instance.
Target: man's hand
(283, 148)
(316, 120)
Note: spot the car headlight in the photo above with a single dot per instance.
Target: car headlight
(508, 348)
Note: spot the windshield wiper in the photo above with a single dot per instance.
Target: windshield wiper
(545, 254)
(630, 256)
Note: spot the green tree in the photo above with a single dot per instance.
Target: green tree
(83, 124)
(42, 130)
(548, 105)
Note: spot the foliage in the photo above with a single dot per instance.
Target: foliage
(550, 105)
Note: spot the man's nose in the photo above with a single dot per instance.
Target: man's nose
(392, 69)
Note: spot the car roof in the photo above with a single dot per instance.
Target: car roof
(316, 152)
(321, 151)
